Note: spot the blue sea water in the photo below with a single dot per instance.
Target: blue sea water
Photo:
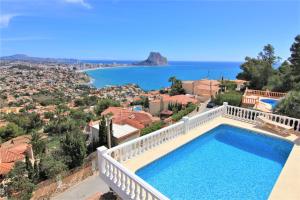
(156, 77)
(225, 163)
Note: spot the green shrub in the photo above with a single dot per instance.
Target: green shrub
(104, 104)
(153, 127)
(230, 85)
(233, 98)
(190, 108)
(290, 105)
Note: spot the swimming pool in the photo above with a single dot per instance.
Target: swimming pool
(137, 108)
(224, 163)
(272, 102)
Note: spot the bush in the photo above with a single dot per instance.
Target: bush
(190, 108)
(27, 121)
(233, 98)
(153, 127)
(19, 185)
(10, 131)
(51, 167)
(290, 105)
(60, 126)
(104, 104)
(49, 115)
(144, 101)
(79, 102)
(230, 85)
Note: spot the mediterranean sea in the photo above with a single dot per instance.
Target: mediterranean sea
(156, 77)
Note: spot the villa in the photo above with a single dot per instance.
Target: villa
(121, 133)
(219, 154)
(204, 88)
(137, 119)
(12, 151)
(161, 102)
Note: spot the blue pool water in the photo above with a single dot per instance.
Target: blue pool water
(272, 102)
(156, 77)
(137, 108)
(225, 163)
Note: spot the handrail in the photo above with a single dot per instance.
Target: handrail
(144, 137)
(250, 115)
(137, 146)
(127, 183)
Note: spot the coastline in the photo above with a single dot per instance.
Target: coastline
(120, 66)
(154, 77)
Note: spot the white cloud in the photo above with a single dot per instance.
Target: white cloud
(81, 2)
(5, 19)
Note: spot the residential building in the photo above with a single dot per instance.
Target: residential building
(161, 102)
(137, 119)
(204, 89)
(12, 151)
(121, 133)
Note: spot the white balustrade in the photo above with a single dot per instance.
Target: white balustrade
(205, 117)
(249, 115)
(125, 183)
(129, 186)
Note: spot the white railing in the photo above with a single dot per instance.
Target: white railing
(125, 183)
(205, 117)
(249, 115)
(129, 186)
(139, 145)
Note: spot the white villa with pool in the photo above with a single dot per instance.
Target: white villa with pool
(225, 153)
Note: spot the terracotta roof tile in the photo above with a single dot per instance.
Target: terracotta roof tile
(7, 156)
(136, 119)
(5, 168)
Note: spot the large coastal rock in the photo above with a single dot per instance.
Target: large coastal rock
(154, 59)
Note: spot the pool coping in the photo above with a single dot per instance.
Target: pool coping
(287, 184)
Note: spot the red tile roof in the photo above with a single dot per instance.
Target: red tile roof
(182, 99)
(12, 151)
(125, 116)
(5, 168)
(7, 156)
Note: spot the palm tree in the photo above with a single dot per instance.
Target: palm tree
(172, 79)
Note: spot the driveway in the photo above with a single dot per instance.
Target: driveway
(84, 189)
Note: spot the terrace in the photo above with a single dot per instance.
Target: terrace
(255, 99)
(118, 165)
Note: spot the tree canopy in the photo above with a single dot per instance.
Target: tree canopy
(176, 86)
(74, 148)
(258, 70)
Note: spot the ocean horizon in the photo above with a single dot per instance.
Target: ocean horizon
(156, 77)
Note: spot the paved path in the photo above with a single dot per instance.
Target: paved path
(84, 189)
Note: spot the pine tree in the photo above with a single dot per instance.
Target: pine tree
(74, 148)
(295, 61)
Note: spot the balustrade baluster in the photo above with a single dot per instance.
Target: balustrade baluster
(131, 188)
(141, 192)
(136, 192)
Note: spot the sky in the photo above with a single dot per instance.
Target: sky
(191, 30)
